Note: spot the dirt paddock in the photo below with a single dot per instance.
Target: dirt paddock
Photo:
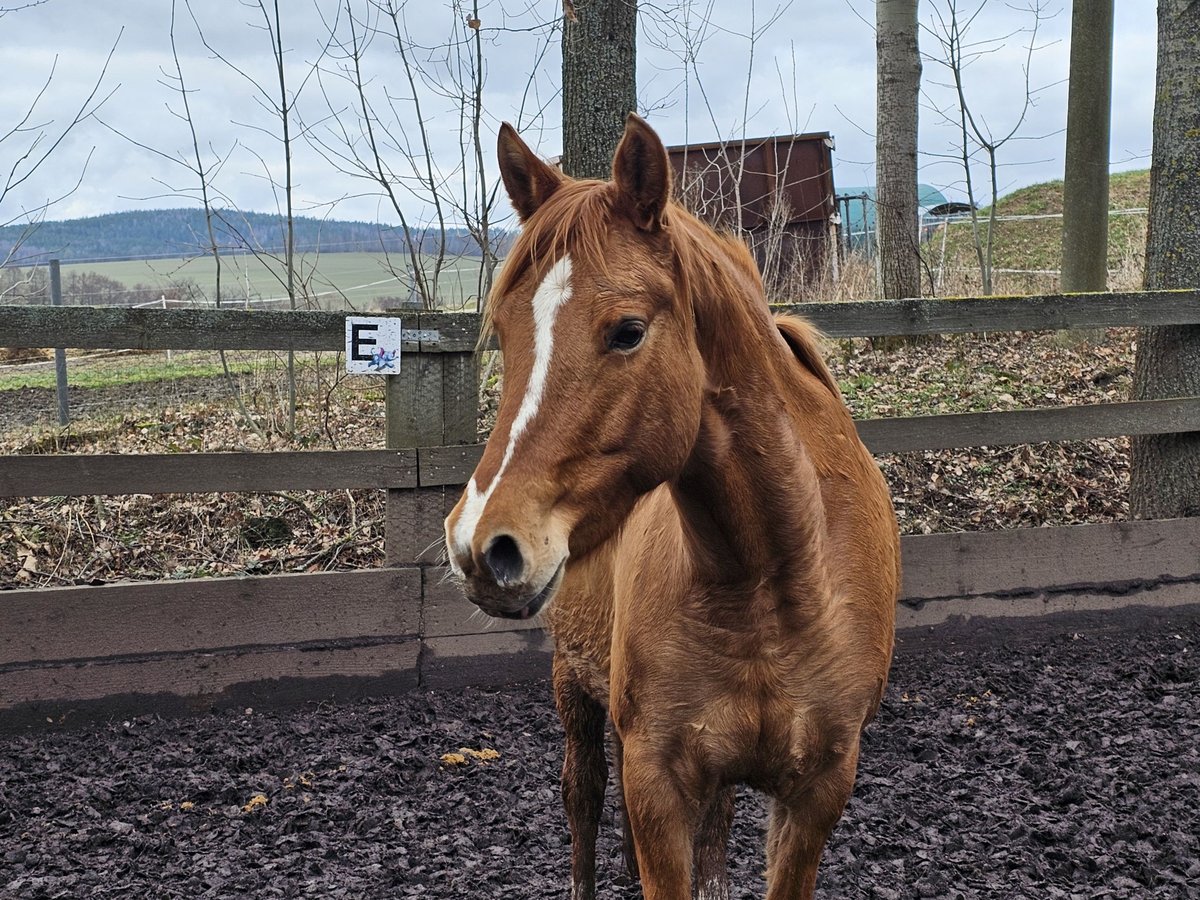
(1014, 761)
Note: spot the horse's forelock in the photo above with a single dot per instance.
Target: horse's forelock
(578, 220)
(575, 220)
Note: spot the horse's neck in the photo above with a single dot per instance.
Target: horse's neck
(749, 496)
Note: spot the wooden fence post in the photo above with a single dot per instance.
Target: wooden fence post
(432, 402)
(60, 353)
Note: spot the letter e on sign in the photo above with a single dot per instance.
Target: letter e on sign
(372, 345)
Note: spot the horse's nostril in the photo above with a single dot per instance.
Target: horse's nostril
(503, 559)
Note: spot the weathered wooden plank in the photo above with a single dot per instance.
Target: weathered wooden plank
(976, 314)
(180, 473)
(1120, 555)
(413, 402)
(215, 329)
(171, 329)
(485, 659)
(234, 329)
(959, 565)
(447, 465)
(460, 398)
(415, 418)
(964, 315)
(1092, 610)
(447, 611)
(1029, 560)
(200, 681)
(957, 315)
(413, 526)
(454, 465)
(206, 614)
(456, 332)
(69, 475)
(1029, 426)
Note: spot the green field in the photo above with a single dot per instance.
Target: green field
(330, 280)
(104, 372)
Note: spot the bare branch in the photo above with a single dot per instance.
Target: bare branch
(950, 27)
(37, 142)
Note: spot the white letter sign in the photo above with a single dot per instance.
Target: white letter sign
(372, 345)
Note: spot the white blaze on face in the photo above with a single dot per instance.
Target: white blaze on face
(552, 293)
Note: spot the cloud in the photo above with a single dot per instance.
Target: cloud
(813, 70)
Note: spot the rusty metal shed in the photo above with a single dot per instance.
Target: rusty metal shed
(783, 186)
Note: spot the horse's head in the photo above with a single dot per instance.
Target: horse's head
(602, 377)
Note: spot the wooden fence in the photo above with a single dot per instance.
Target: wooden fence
(195, 644)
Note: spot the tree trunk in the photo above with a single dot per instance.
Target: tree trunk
(1165, 470)
(898, 83)
(1085, 185)
(599, 83)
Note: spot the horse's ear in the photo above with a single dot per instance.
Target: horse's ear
(528, 180)
(642, 172)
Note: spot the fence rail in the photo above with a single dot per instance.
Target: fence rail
(68, 475)
(207, 641)
(184, 473)
(237, 329)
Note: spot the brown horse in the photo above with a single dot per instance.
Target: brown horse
(675, 470)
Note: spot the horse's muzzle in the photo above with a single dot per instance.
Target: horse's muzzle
(512, 602)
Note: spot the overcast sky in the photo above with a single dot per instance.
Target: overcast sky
(810, 67)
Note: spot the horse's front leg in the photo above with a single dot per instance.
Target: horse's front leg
(584, 774)
(663, 819)
(628, 853)
(800, 827)
(711, 848)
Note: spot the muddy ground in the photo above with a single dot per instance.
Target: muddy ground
(1065, 764)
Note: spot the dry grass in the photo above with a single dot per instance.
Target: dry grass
(1035, 245)
(853, 280)
(11, 355)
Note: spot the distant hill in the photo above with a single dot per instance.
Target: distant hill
(1034, 244)
(183, 233)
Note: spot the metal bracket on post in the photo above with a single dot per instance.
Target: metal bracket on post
(426, 337)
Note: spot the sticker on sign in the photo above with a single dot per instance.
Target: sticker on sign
(373, 345)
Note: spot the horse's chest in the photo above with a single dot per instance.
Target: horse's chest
(759, 723)
(582, 626)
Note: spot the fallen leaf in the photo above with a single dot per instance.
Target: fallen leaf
(485, 755)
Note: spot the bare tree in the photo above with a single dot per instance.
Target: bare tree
(955, 50)
(366, 153)
(1085, 179)
(381, 134)
(898, 86)
(713, 176)
(201, 167)
(599, 82)
(279, 101)
(477, 200)
(223, 230)
(27, 144)
(1165, 468)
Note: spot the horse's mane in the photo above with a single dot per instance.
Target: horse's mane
(574, 219)
(804, 339)
(734, 270)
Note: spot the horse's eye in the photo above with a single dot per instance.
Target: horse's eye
(627, 335)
